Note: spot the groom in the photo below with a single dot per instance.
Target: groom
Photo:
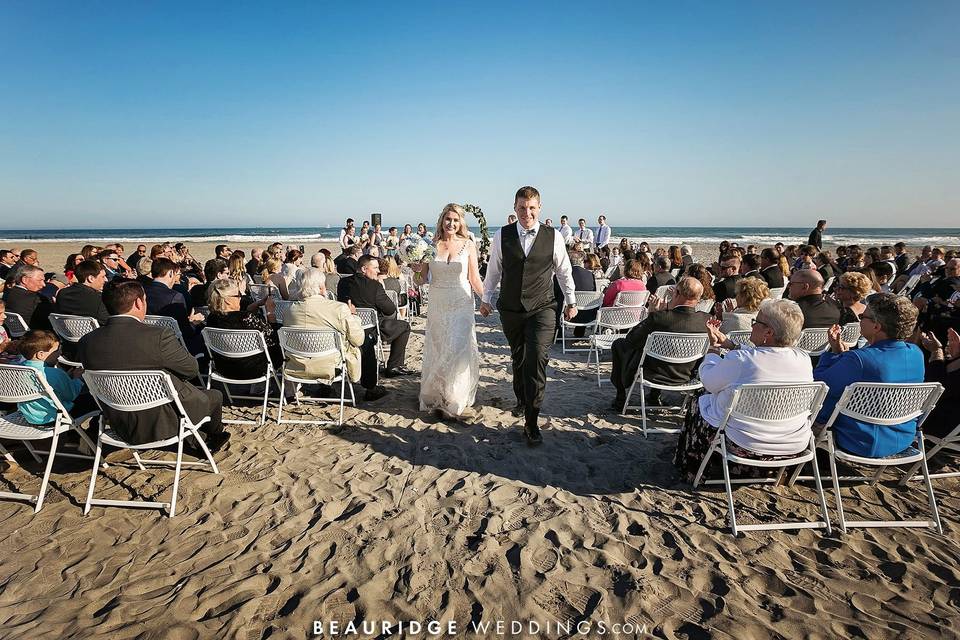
(524, 258)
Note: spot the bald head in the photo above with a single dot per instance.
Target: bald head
(687, 292)
(805, 282)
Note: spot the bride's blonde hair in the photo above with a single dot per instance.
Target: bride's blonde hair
(453, 207)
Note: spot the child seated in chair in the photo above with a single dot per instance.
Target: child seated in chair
(40, 349)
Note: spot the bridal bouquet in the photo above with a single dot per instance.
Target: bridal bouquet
(418, 252)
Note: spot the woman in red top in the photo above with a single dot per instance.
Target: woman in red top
(631, 281)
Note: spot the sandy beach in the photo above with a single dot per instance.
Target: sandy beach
(402, 516)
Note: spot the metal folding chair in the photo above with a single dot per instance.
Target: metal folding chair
(70, 329)
(314, 343)
(611, 324)
(239, 343)
(586, 301)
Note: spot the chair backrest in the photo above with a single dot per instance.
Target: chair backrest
(309, 343)
(132, 390)
(631, 299)
(912, 282)
(705, 305)
(19, 383)
(665, 292)
(331, 295)
(850, 333)
(72, 328)
(234, 343)
(675, 272)
(887, 403)
(676, 347)
(775, 293)
(165, 321)
(602, 283)
(588, 300)
(260, 291)
(740, 338)
(829, 283)
(813, 341)
(619, 318)
(16, 325)
(775, 402)
(368, 317)
(280, 309)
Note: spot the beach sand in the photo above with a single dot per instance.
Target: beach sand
(403, 516)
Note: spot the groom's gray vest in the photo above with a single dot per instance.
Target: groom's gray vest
(526, 282)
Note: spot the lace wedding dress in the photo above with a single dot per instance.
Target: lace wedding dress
(451, 362)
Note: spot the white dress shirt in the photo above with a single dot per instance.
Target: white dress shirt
(567, 233)
(603, 235)
(584, 235)
(561, 263)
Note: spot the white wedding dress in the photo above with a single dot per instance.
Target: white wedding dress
(451, 361)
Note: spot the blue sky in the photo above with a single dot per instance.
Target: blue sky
(691, 113)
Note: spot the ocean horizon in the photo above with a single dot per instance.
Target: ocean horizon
(659, 235)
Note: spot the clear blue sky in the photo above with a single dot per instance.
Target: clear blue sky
(283, 113)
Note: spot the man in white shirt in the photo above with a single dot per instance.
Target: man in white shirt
(565, 231)
(524, 259)
(584, 234)
(604, 232)
(343, 232)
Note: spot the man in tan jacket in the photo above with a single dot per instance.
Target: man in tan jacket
(315, 311)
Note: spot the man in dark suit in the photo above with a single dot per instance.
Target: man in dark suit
(750, 266)
(661, 275)
(24, 297)
(164, 300)
(726, 287)
(84, 298)
(681, 316)
(816, 236)
(806, 289)
(364, 290)
(770, 268)
(125, 343)
(7, 260)
(824, 268)
(901, 258)
(346, 263)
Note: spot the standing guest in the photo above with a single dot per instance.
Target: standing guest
(364, 290)
(750, 294)
(85, 297)
(377, 239)
(24, 297)
(348, 238)
(816, 236)
(406, 237)
(583, 233)
(343, 232)
(851, 290)
(270, 273)
(511, 219)
(661, 275)
(604, 233)
(164, 300)
(726, 286)
(886, 324)
(806, 289)
(392, 242)
(125, 343)
(632, 280)
(548, 222)
(228, 311)
(213, 270)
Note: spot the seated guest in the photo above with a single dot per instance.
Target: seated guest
(725, 286)
(271, 274)
(253, 265)
(583, 280)
(237, 272)
(851, 290)
(945, 369)
(347, 262)
(291, 273)
(316, 311)
(806, 289)
(938, 292)
(632, 280)
(680, 316)
(888, 321)
(39, 349)
(770, 268)
(686, 256)
(24, 297)
(593, 265)
(701, 273)
(7, 260)
(882, 274)
(164, 300)
(125, 343)
(71, 263)
(363, 289)
(110, 260)
(661, 275)
(85, 297)
(750, 266)
(213, 270)
(750, 293)
(228, 312)
(134, 258)
(773, 359)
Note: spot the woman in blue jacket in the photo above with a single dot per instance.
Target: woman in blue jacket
(886, 323)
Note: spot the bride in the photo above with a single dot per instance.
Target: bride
(451, 362)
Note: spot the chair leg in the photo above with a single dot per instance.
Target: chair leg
(93, 475)
(912, 471)
(706, 459)
(32, 451)
(283, 383)
(136, 456)
(176, 474)
(343, 393)
(46, 474)
(266, 394)
(819, 484)
(643, 407)
(206, 452)
(836, 483)
(726, 481)
(7, 456)
(930, 496)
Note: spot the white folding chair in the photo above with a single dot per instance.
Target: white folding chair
(370, 320)
(775, 293)
(395, 299)
(586, 301)
(16, 325)
(331, 295)
(705, 305)
(314, 343)
(770, 403)
(850, 334)
(676, 348)
(950, 442)
(602, 283)
(910, 285)
(166, 321)
(260, 291)
(813, 342)
(280, 309)
(884, 404)
(70, 329)
(25, 384)
(610, 325)
(741, 338)
(136, 391)
(239, 343)
(675, 272)
(829, 283)
(631, 299)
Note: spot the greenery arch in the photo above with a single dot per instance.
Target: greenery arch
(484, 232)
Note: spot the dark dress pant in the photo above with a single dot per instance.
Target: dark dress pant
(530, 335)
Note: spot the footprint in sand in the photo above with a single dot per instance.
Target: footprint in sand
(672, 608)
(544, 560)
(338, 607)
(565, 601)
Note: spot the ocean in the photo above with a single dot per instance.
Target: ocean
(657, 236)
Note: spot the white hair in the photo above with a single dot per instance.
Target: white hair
(318, 260)
(785, 319)
(314, 283)
(686, 250)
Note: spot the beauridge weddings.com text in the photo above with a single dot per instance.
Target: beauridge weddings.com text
(481, 629)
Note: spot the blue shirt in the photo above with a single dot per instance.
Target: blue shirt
(884, 361)
(42, 411)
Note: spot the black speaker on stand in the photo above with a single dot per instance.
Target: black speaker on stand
(375, 219)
